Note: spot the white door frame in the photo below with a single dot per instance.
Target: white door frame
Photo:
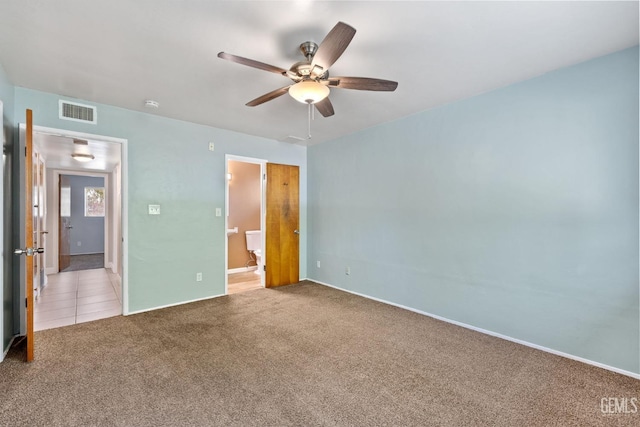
(263, 210)
(124, 186)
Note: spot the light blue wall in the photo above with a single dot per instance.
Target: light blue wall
(515, 211)
(88, 231)
(170, 165)
(6, 312)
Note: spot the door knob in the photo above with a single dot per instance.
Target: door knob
(296, 231)
(28, 251)
(69, 227)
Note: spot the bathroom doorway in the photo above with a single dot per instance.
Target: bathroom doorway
(244, 224)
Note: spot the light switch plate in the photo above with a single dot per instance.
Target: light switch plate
(218, 211)
(154, 209)
(212, 146)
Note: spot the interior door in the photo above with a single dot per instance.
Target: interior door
(64, 232)
(30, 249)
(282, 225)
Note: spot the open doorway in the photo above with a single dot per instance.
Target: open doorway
(81, 221)
(245, 224)
(84, 205)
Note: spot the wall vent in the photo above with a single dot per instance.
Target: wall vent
(78, 112)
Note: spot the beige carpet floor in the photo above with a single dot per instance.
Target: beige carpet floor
(302, 355)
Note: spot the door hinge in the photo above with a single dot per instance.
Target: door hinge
(26, 303)
(264, 267)
(25, 151)
(264, 176)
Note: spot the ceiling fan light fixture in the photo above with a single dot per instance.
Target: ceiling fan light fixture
(83, 157)
(309, 92)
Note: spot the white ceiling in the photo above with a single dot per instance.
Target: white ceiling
(121, 52)
(57, 149)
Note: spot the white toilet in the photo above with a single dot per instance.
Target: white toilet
(254, 244)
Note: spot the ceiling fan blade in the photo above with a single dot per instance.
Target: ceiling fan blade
(363, 83)
(333, 45)
(252, 63)
(325, 107)
(268, 96)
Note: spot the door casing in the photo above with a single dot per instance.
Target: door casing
(21, 312)
(262, 164)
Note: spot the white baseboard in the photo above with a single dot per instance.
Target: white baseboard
(4, 353)
(111, 266)
(172, 305)
(50, 270)
(242, 269)
(491, 333)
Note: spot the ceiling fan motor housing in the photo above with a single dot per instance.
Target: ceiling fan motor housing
(303, 70)
(308, 49)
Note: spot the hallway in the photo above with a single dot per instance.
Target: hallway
(77, 297)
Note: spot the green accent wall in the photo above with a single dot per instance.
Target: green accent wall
(169, 164)
(515, 211)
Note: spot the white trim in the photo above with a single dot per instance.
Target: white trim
(242, 269)
(144, 310)
(124, 188)
(4, 353)
(263, 212)
(244, 159)
(487, 332)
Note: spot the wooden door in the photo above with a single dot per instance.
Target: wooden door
(28, 233)
(282, 225)
(64, 223)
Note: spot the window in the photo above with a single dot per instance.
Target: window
(93, 201)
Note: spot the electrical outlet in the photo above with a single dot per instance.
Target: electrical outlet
(347, 271)
(198, 277)
(318, 264)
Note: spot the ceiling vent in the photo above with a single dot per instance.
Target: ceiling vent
(293, 139)
(78, 112)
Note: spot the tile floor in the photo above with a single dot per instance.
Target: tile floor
(241, 282)
(77, 297)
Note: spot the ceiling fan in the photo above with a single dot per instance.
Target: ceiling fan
(311, 81)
